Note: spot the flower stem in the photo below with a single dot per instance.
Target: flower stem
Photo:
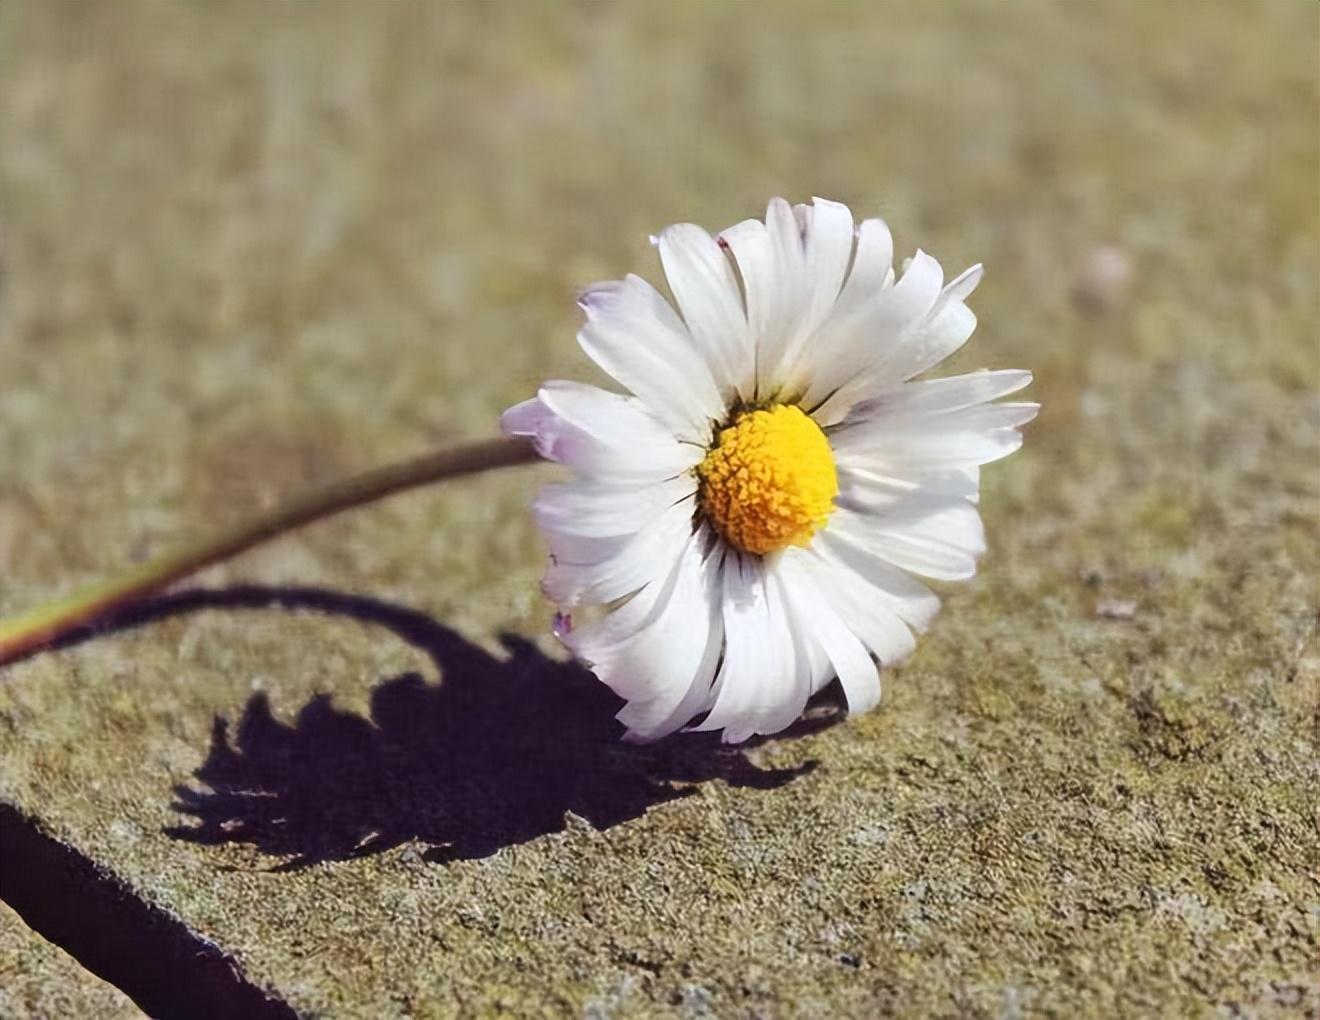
(37, 628)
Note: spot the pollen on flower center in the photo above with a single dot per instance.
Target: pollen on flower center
(769, 480)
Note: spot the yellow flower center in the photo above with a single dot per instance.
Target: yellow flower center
(769, 480)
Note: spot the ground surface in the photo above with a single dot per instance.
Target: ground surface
(250, 247)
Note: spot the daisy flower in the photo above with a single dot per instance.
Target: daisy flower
(754, 509)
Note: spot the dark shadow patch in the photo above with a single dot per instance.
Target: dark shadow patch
(494, 755)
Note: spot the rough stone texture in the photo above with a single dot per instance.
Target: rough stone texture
(249, 247)
(37, 979)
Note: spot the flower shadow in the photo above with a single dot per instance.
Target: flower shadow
(496, 754)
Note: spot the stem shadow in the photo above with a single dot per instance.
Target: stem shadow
(496, 754)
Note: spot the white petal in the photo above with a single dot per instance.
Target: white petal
(855, 602)
(649, 720)
(746, 642)
(897, 507)
(600, 432)
(923, 533)
(607, 417)
(749, 242)
(969, 436)
(970, 483)
(814, 668)
(936, 396)
(961, 287)
(950, 324)
(593, 509)
(788, 685)
(565, 443)
(525, 418)
(663, 654)
(686, 644)
(930, 448)
(633, 334)
(942, 544)
(827, 231)
(776, 347)
(986, 417)
(910, 600)
(758, 679)
(578, 551)
(772, 262)
(829, 245)
(603, 569)
(600, 642)
(852, 663)
(707, 293)
(872, 268)
(897, 309)
(855, 350)
(872, 491)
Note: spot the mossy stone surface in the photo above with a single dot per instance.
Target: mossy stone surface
(250, 247)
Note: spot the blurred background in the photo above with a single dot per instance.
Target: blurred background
(246, 246)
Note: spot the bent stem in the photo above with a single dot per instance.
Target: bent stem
(37, 628)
